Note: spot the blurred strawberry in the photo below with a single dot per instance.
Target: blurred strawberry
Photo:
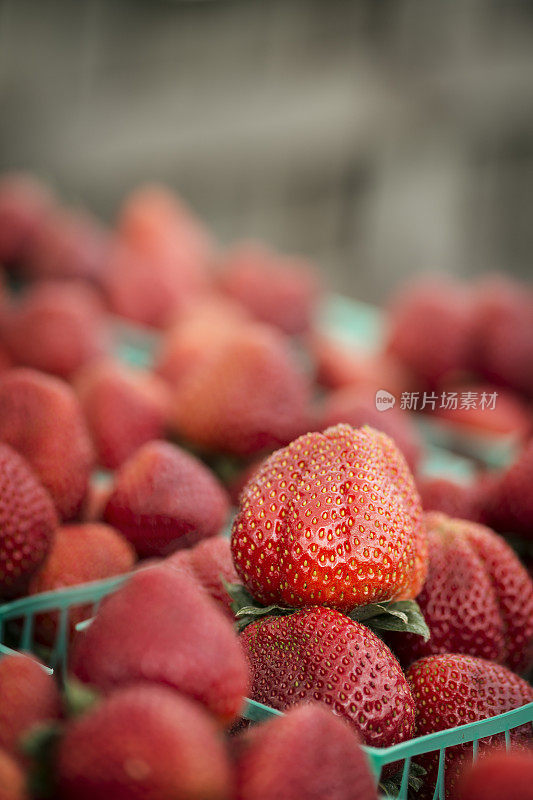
(79, 554)
(458, 500)
(12, 779)
(27, 523)
(163, 499)
(346, 508)
(28, 697)
(493, 411)
(430, 328)
(57, 327)
(510, 507)
(243, 394)
(144, 742)
(211, 564)
(357, 407)
(309, 753)
(158, 262)
(24, 204)
(498, 774)
(281, 290)
(124, 408)
(162, 628)
(477, 598)
(41, 418)
(68, 244)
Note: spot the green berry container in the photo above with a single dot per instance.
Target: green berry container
(17, 633)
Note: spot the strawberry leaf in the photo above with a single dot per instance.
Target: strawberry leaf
(78, 698)
(391, 786)
(40, 745)
(395, 615)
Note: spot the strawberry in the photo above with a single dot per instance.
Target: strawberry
(308, 753)
(245, 393)
(12, 779)
(79, 554)
(28, 697)
(477, 598)
(41, 418)
(27, 523)
(281, 290)
(497, 774)
(124, 408)
(507, 416)
(24, 203)
(320, 654)
(68, 244)
(510, 507)
(210, 563)
(451, 690)
(430, 329)
(459, 500)
(158, 261)
(333, 518)
(144, 742)
(163, 498)
(161, 628)
(357, 407)
(57, 328)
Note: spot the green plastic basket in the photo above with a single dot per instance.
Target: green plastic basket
(64, 600)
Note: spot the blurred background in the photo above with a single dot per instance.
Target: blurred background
(378, 138)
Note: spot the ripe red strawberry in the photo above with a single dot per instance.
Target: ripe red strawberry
(24, 203)
(161, 628)
(320, 654)
(144, 742)
(28, 697)
(56, 328)
(158, 263)
(430, 328)
(510, 508)
(41, 418)
(68, 244)
(245, 393)
(27, 523)
(477, 598)
(163, 498)
(124, 408)
(333, 518)
(308, 753)
(458, 500)
(498, 774)
(79, 554)
(357, 407)
(210, 563)
(281, 290)
(12, 779)
(508, 415)
(451, 690)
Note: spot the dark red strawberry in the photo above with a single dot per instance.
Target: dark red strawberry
(24, 204)
(281, 290)
(458, 500)
(308, 753)
(162, 628)
(451, 690)
(477, 598)
(28, 521)
(510, 507)
(333, 518)
(211, 564)
(163, 498)
(144, 742)
(498, 774)
(320, 654)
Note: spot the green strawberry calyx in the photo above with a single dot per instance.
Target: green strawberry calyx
(403, 616)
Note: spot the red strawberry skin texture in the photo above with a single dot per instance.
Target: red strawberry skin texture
(308, 753)
(333, 518)
(28, 520)
(147, 743)
(28, 696)
(164, 498)
(41, 418)
(319, 654)
(510, 509)
(498, 774)
(451, 690)
(162, 628)
(477, 598)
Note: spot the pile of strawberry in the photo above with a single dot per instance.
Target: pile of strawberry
(366, 614)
